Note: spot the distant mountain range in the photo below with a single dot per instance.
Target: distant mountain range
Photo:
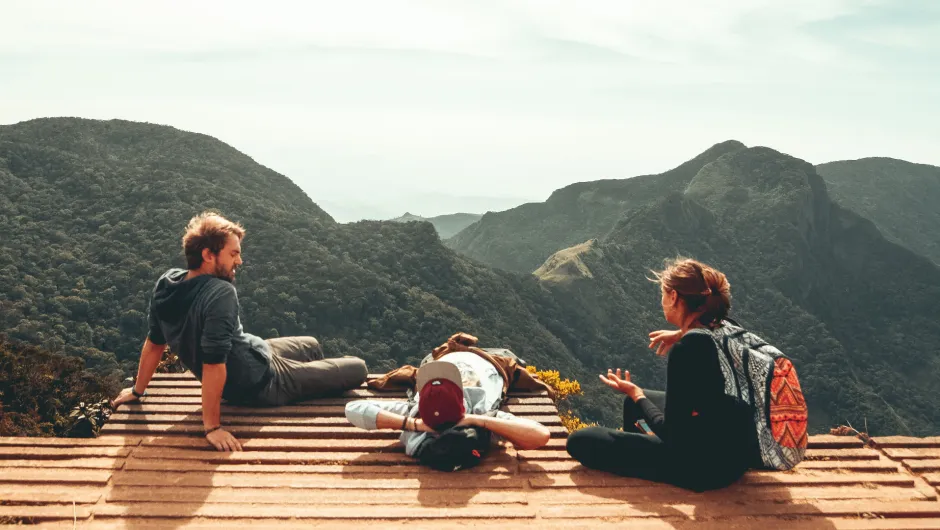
(857, 312)
(91, 214)
(521, 238)
(388, 205)
(446, 225)
(901, 198)
(808, 272)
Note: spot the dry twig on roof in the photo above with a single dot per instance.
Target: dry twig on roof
(848, 430)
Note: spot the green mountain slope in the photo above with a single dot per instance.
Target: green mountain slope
(92, 212)
(900, 197)
(522, 238)
(857, 312)
(446, 225)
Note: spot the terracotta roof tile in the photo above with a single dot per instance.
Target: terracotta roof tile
(304, 465)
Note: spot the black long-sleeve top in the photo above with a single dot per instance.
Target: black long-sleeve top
(700, 420)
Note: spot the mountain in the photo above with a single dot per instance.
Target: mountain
(446, 225)
(857, 312)
(900, 197)
(345, 208)
(92, 212)
(520, 239)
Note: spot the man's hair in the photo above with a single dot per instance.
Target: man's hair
(207, 230)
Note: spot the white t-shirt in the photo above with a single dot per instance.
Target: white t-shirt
(477, 372)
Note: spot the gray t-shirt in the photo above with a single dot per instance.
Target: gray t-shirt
(199, 319)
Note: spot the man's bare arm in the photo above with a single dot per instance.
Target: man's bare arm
(150, 355)
(524, 434)
(389, 420)
(213, 381)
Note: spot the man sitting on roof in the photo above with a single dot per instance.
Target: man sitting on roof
(460, 390)
(195, 311)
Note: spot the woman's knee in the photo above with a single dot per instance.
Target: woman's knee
(583, 444)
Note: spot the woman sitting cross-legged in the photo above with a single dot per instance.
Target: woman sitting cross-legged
(704, 437)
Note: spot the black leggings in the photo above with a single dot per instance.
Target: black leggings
(631, 453)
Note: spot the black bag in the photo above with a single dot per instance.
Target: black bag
(456, 448)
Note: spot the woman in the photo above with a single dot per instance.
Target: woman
(702, 439)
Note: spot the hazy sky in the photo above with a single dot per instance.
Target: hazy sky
(378, 107)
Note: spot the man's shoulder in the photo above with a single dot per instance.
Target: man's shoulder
(217, 287)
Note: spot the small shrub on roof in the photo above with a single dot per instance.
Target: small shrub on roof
(40, 389)
(564, 388)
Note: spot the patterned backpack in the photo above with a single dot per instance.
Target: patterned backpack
(760, 375)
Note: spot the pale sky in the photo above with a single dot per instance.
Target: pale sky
(379, 107)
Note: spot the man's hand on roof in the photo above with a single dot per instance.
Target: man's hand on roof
(223, 440)
(125, 396)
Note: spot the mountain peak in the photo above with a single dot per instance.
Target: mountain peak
(446, 225)
(408, 216)
(722, 148)
(735, 176)
(680, 174)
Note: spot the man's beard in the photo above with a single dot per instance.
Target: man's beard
(225, 274)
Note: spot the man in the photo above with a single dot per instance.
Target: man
(461, 389)
(195, 311)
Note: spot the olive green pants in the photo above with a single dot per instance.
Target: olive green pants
(301, 372)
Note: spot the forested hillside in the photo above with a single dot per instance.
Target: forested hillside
(901, 198)
(855, 311)
(91, 214)
(522, 238)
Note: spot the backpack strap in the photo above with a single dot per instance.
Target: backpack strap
(721, 344)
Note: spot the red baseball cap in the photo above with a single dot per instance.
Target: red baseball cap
(440, 398)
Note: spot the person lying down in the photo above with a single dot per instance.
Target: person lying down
(455, 415)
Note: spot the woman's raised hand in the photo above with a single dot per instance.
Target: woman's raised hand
(663, 339)
(622, 383)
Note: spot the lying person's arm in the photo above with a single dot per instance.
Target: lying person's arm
(371, 415)
(524, 434)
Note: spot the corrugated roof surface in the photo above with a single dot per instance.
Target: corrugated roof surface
(303, 465)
